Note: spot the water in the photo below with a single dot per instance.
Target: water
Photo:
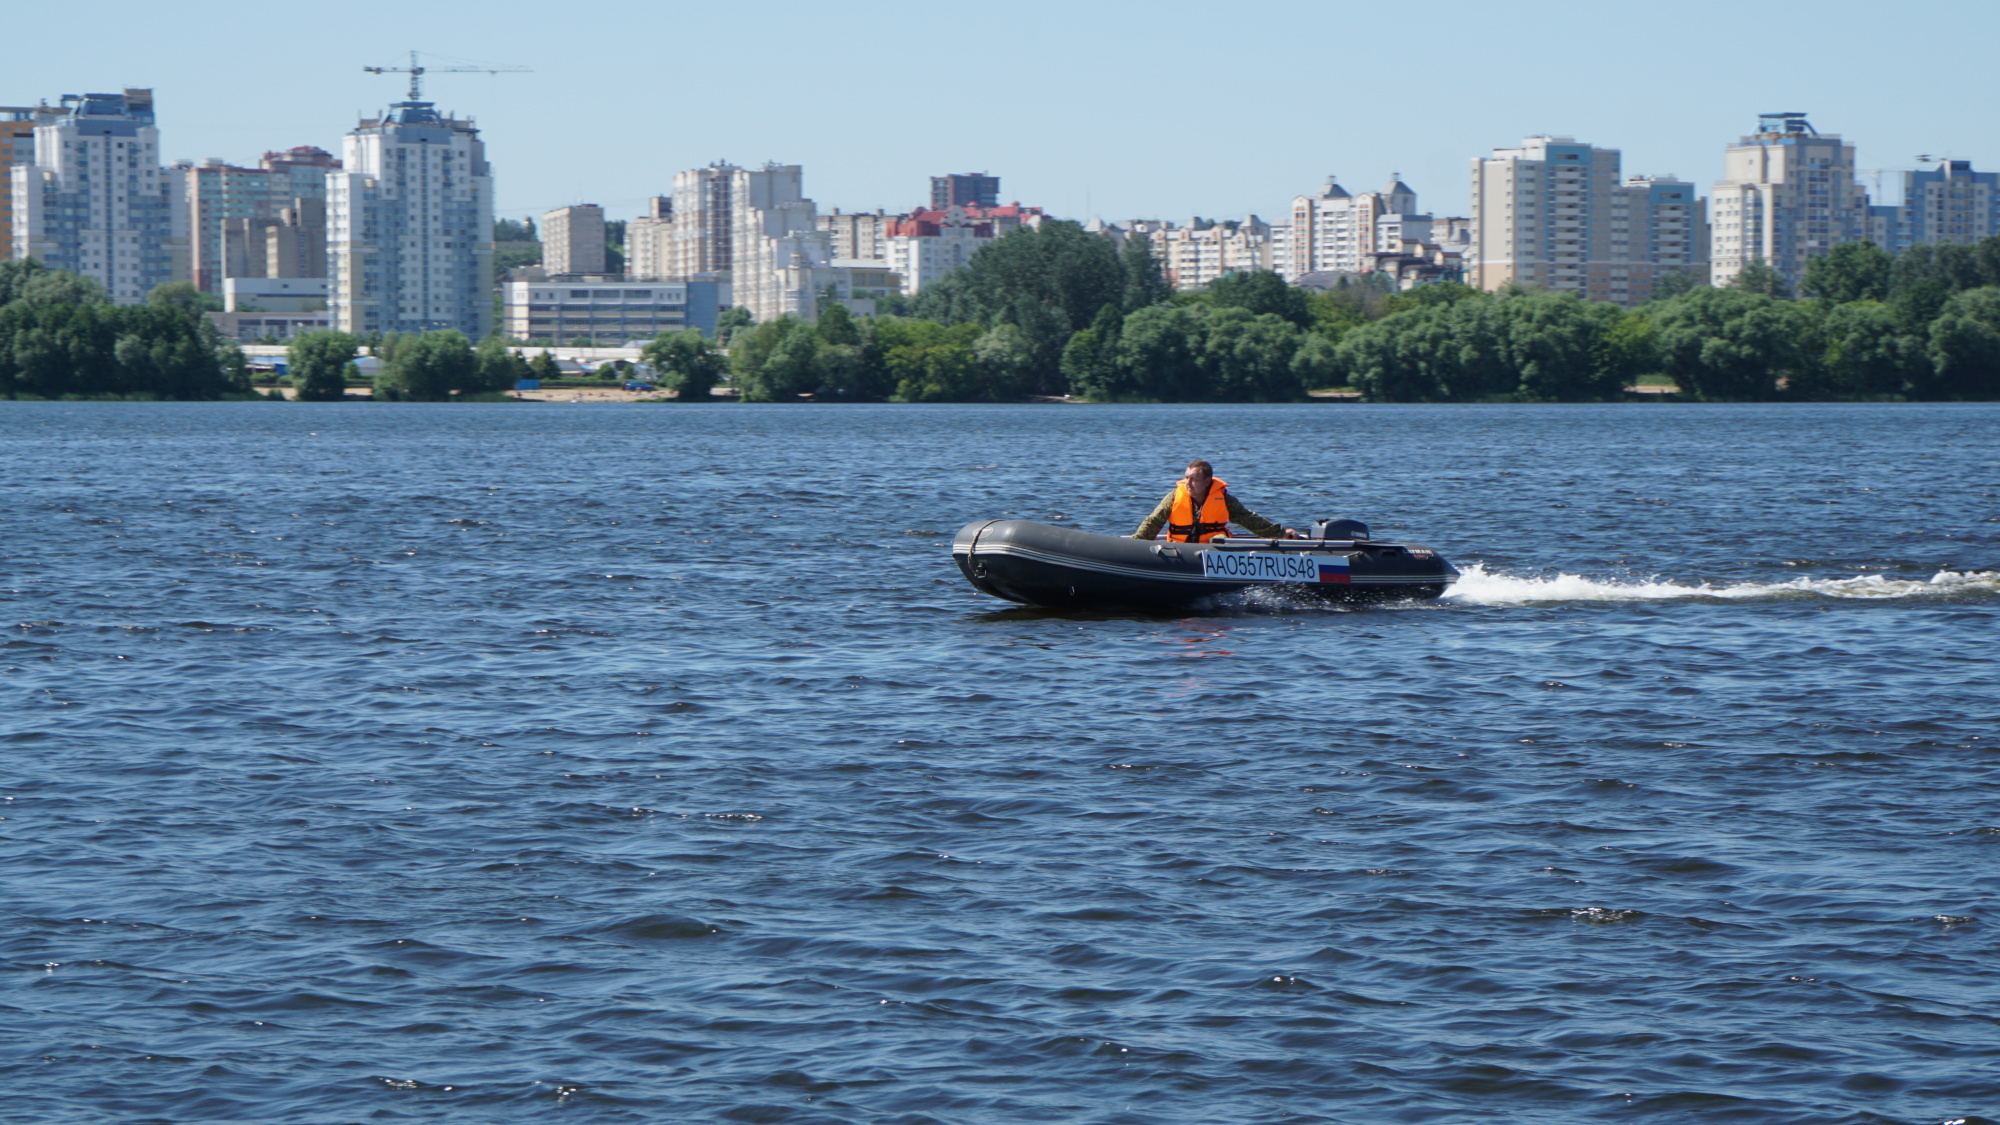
(411, 763)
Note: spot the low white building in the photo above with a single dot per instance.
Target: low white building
(274, 294)
(606, 312)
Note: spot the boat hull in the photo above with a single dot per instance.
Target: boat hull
(1041, 565)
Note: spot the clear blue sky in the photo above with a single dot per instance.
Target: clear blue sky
(1166, 109)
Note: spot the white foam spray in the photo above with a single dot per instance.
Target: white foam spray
(1477, 586)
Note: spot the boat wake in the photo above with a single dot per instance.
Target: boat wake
(1478, 586)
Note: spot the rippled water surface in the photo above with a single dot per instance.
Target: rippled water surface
(653, 763)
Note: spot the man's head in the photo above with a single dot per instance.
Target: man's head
(1199, 473)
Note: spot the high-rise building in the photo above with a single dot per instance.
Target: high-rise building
(17, 147)
(1194, 255)
(95, 200)
(858, 235)
(573, 240)
(756, 230)
(410, 225)
(1334, 231)
(1947, 203)
(704, 225)
(777, 245)
(1788, 195)
(649, 241)
(291, 243)
(234, 215)
(968, 189)
(1554, 214)
(923, 246)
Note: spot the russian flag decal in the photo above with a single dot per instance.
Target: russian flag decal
(1334, 570)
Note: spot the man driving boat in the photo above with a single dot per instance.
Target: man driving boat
(1200, 508)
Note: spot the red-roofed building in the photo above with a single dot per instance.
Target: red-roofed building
(927, 244)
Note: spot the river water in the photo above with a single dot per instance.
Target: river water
(653, 763)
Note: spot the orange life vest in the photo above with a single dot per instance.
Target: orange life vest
(1181, 523)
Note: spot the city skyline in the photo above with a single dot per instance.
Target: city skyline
(1055, 101)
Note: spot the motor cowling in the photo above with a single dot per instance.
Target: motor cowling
(1339, 529)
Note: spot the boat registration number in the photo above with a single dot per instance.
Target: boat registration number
(1250, 566)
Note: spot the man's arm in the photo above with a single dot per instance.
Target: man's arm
(1252, 522)
(1151, 525)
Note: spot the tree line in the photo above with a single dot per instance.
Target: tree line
(1923, 324)
(1058, 310)
(1053, 310)
(61, 337)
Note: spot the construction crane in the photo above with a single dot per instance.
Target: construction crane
(416, 71)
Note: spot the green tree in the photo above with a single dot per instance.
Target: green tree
(1560, 347)
(1965, 347)
(685, 363)
(837, 326)
(15, 274)
(1672, 283)
(43, 286)
(544, 367)
(320, 365)
(1261, 291)
(1057, 263)
(497, 367)
(929, 362)
(1758, 277)
(1145, 281)
(1248, 357)
(1090, 358)
(1159, 357)
(60, 336)
(1401, 358)
(776, 361)
(429, 368)
(1867, 355)
(1851, 271)
(1334, 316)
(730, 322)
(1441, 293)
(1732, 343)
(184, 296)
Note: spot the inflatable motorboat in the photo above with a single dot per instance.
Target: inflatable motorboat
(1061, 568)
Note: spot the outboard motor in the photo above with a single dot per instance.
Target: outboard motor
(1339, 529)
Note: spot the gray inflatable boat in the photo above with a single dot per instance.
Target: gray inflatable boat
(1060, 568)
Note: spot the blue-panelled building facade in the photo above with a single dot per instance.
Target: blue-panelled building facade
(1948, 203)
(96, 201)
(410, 226)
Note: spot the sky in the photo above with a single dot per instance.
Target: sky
(1169, 109)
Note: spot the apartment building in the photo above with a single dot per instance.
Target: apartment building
(95, 200)
(923, 246)
(17, 147)
(649, 241)
(410, 225)
(1194, 255)
(1948, 202)
(858, 235)
(703, 223)
(573, 240)
(267, 221)
(969, 189)
(1788, 195)
(1336, 231)
(1556, 214)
